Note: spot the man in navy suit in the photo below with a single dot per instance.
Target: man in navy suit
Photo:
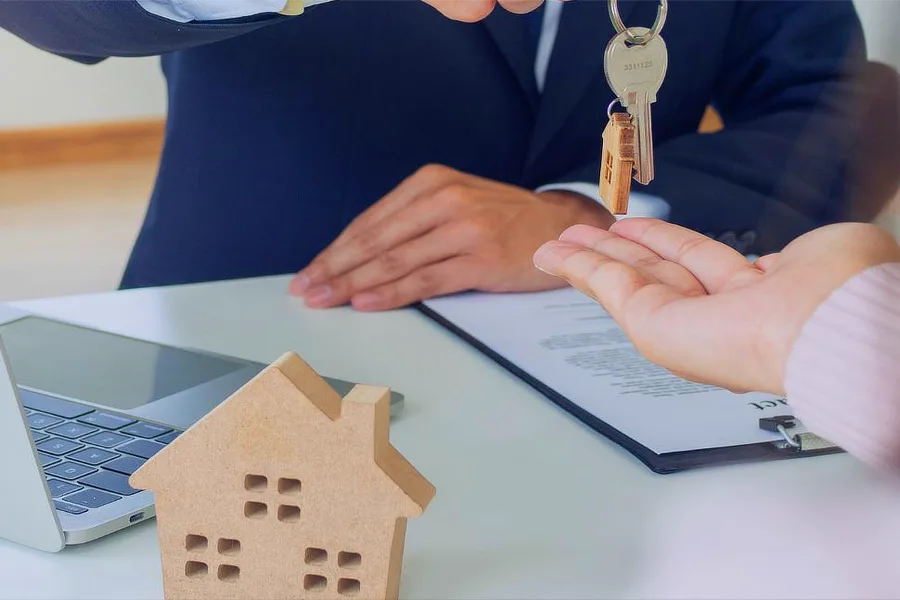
(390, 154)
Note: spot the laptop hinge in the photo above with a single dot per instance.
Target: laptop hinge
(27, 513)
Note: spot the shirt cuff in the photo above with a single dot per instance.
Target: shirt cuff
(639, 204)
(185, 11)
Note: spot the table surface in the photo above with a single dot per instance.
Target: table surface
(530, 503)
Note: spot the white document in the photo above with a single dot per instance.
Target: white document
(570, 344)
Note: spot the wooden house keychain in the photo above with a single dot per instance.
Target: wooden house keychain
(636, 61)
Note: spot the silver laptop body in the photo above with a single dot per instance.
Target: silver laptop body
(67, 457)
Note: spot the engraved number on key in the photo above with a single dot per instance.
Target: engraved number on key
(635, 73)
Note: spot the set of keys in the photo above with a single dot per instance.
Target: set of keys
(636, 62)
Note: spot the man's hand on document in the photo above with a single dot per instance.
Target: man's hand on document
(439, 232)
(699, 308)
(476, 10)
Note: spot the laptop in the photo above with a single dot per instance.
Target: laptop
(82, 409)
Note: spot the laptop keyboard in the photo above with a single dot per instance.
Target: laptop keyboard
(86, 454)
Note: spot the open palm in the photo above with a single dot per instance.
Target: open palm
(701, 309)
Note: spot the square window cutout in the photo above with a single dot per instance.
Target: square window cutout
(316, 556)
(229, 547)
(314, 582)
(348, 587)
(289, 487)
(349, 560)
(195, 543)
(255, 510)
(255, 483)
(229, 573)
(195, 569)
(288, 513)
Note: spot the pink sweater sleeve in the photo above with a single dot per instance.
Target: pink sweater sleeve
(843, 374)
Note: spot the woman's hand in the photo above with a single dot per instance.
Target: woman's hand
(476, 10)
(701, 309)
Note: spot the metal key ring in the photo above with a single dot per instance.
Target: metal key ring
(609, 109)
(639, 40)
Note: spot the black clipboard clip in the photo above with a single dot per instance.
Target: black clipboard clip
(781, 424)
(802, 442)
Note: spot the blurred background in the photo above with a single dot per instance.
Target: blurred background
(78, 155)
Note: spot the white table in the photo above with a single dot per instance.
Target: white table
(530, 503)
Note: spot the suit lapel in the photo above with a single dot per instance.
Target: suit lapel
(510, 33)
(577, 59)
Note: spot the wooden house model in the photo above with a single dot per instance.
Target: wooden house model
(285, 490)
(617, 163)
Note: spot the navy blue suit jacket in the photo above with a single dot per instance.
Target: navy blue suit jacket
(282, 129)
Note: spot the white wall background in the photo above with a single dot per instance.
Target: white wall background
(38, 89)
(881, 20)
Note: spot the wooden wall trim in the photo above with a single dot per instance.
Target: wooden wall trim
(80, 143)
(116, 141)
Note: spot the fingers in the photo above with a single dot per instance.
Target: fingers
(631, 299)
(697, 337)
(468, 11)
(437, 279)
(385, 267)
(420, 184)
(520, 6)
(665, 313)
(611, 269)
(471, 11)
(377, 243)
(713, 264)
(607, 281)
(645, 261)
(394, 219)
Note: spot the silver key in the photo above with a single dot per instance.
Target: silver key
(635, 73)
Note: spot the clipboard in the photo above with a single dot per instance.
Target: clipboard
(791, 446)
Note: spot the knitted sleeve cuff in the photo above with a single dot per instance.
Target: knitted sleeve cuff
(843, 373)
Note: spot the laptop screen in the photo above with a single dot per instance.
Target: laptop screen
(102, 368)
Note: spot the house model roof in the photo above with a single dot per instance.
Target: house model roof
(288, 419)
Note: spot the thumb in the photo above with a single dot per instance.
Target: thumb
(520, 6)
(765, 262)
(468, 11)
